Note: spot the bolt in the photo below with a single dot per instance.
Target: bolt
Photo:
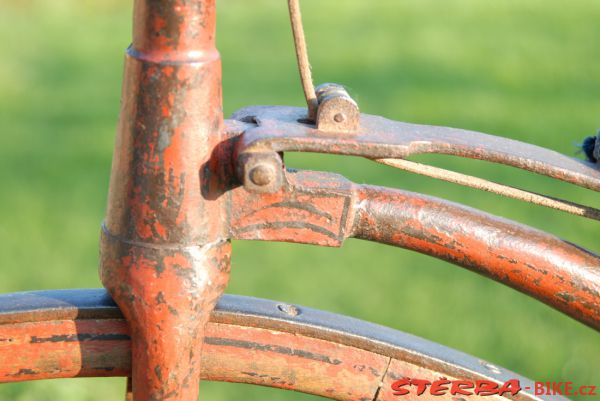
(262, 175)
(290, 310)
(339, 118)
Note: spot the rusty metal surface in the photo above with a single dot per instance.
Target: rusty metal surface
(337, 111)
(248, 340)
(164, 251)
(312, 208)
(325, 209)
(536, 263)
(278, 129)
(175, 201)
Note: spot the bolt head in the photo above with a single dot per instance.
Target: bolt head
(262, 175)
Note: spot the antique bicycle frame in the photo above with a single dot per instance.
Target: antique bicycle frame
(185, 182)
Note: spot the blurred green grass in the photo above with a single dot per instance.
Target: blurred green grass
(526, 69)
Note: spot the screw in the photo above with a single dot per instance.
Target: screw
(262, 175)
(339, 118)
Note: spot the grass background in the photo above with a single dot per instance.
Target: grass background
(525, 69)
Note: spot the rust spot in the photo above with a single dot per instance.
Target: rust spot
(160, 298)
(80, 338)
(24, 372)
(271, 348)
(566, 296)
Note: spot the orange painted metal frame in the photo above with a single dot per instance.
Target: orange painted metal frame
(176, 200)
(164, 250)
(184, 183)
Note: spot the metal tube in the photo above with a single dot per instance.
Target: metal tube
(164, 254)
(538, 264)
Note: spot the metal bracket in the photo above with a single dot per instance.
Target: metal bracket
(280, 129)
(337, 111)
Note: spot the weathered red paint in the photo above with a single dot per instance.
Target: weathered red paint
(64, 348)
(182, 186)
(541, 265)
(554, 271)
(293, 362)
(325, 209)
(164, 250)
(314, 208)
(232, 353)
(290, 354)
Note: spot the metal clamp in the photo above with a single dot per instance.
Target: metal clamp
(337, 111)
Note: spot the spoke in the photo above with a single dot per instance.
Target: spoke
(493, 187)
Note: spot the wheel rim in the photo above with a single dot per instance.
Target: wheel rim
(81, 333)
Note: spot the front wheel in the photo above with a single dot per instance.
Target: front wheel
(81, 333)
